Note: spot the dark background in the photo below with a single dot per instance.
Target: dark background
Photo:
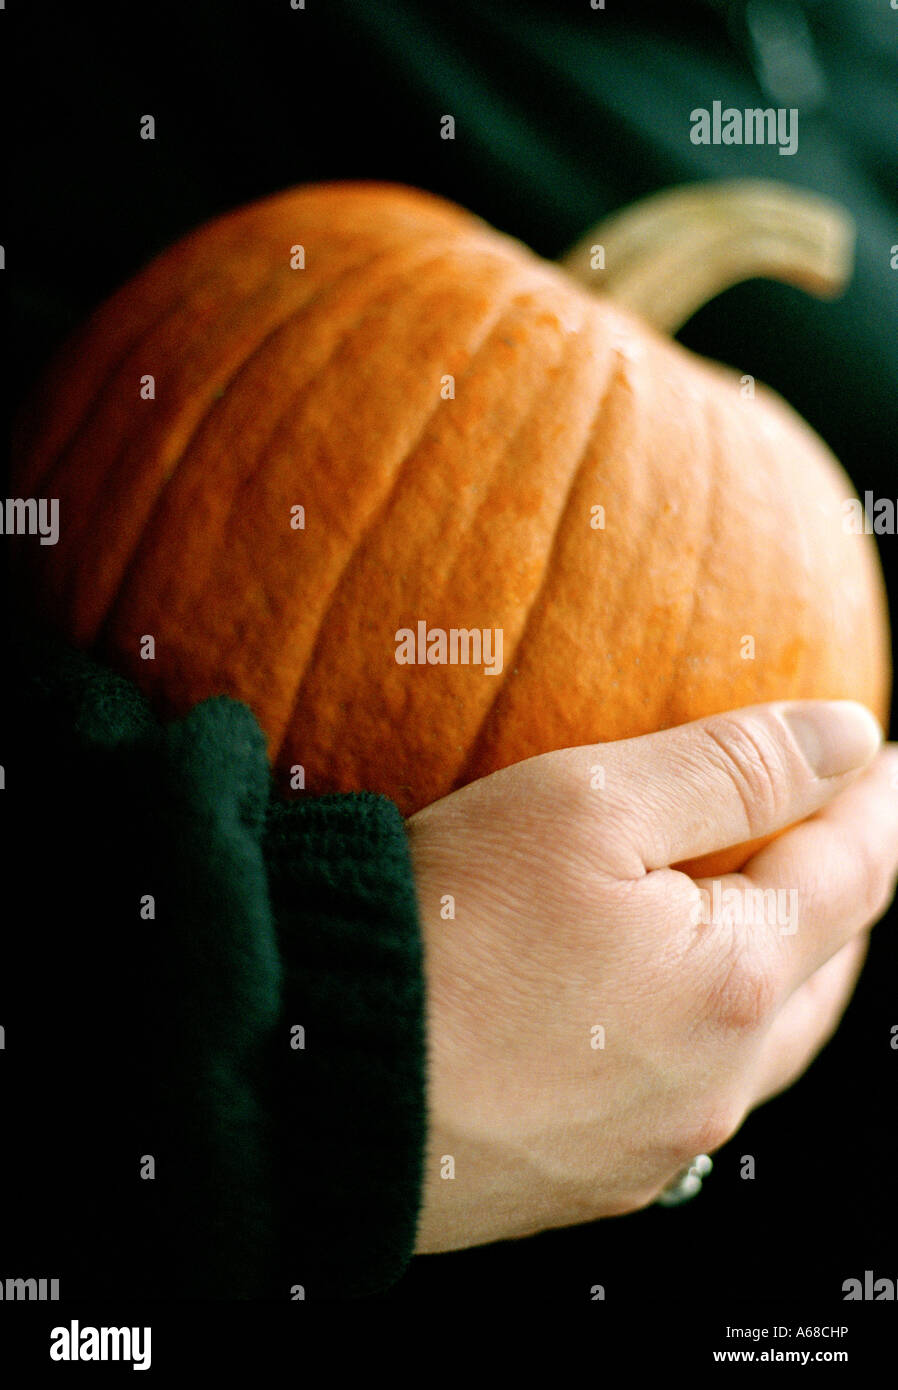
(562, 114)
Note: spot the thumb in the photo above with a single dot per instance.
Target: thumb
(730, 778)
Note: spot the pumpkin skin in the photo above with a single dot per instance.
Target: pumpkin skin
(321, 387)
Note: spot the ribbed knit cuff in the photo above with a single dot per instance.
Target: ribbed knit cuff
(353, 1094)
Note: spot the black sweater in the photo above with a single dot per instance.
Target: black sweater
(212, 1003)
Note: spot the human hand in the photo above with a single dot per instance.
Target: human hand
(569, 921)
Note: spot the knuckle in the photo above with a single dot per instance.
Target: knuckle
(708, 1127)
(642, 1199)
(743, 995)
(599, 821)
(875, 878)
(752, 759)
(888, 896)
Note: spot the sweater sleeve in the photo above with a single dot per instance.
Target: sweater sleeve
(343, 898)
(212, 1003)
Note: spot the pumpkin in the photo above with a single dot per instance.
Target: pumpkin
(324, 433)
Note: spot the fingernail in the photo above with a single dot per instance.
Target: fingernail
(835, 736)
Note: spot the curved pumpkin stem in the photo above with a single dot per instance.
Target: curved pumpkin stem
(666, 256)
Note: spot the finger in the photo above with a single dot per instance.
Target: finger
(838, 870)
(807, 1021)
(719, 781)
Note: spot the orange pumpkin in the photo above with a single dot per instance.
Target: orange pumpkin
(476, 442)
